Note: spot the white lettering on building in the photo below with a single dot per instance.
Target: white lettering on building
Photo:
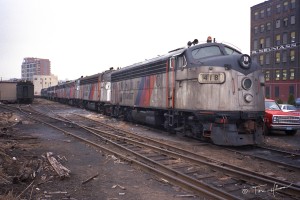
(287, 46)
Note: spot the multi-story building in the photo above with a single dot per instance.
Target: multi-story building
(275, 44)
(43, 81)
(35, 66)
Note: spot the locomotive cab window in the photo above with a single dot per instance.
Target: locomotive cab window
(231, 51)
(206, 52)
(181, 62)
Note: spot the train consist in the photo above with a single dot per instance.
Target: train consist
(209, 91)
(16, 92)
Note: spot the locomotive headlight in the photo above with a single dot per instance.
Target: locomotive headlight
(246, 83)
(248, 98)
(245, 61)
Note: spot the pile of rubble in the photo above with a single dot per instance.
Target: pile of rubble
(21, 170)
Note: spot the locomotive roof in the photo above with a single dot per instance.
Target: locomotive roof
(170, 54)
(159, 58)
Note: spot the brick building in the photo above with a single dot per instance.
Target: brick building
(275, 45)
(35, 66)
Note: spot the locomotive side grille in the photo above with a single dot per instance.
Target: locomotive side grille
(140, 71)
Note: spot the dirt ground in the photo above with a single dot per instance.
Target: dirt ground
(25, 171)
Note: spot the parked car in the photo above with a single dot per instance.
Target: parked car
(276, 119)
(297, 101)
(287, 107)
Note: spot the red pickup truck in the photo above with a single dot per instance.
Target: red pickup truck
(276, 119)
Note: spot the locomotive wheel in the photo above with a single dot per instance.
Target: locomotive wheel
(128, 116)
(197, 130)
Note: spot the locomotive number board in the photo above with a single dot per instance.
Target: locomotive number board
(211, 77)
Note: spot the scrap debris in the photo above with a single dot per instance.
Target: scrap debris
(59, 168)
(7, 120)
(90, 178)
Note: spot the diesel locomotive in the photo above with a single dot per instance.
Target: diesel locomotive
(209, 91)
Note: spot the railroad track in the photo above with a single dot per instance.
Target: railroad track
(205, 177)
(280, 157)
(173, 158)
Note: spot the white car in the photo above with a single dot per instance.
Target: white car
(287, 107)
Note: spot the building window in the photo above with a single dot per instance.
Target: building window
(284, 56)
(293, 4)
(285, 21)
(267, 76)
(278, 40)
(268, 12)
(254, 58)
(267, 59)
(278, 23)
(284, 38)
(255, 44)
(278, 8)
(284, 74)
(256, 15)
(267, 92)
(277, 75)
(261, 59)
(292, 90)
(292, 55)
(276, 91)
(277, 56)
(268, 26)
(262, 43)
(262, 28)
(293, 19)
(286, 6)
(255, 29)
(292, 74)
(262, 13)
(293, 36)
(268, 42)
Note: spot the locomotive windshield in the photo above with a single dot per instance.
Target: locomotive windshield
(231, 51)
(206, 52)
(215, 50)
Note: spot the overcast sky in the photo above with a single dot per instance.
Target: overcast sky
(84, 37)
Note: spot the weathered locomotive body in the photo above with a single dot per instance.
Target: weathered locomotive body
(92, 92)
(209, 91)
(206, 91)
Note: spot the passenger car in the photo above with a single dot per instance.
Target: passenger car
(276, 119)
(287, 107)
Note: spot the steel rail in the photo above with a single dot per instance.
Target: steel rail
(291, 189)
(174, 177)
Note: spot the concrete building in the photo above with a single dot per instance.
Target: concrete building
(43, 81)
(35, 66)
(275, 45)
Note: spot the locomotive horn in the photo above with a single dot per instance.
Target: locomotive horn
(195, 41)
(189, 43)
